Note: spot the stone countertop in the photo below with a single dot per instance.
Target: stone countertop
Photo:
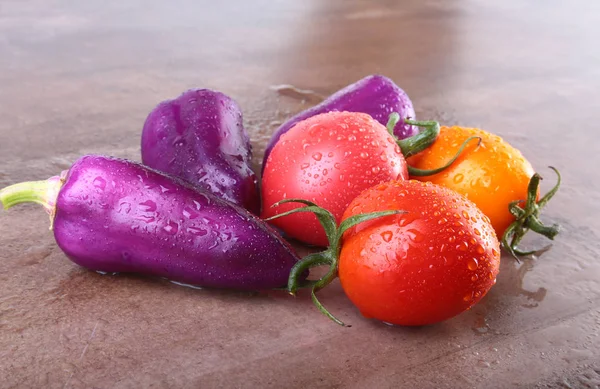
(80, 77)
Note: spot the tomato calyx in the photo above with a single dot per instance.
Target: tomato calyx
(417, 143)
(330, 256)
(527, 217)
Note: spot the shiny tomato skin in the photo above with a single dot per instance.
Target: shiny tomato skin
(327, 159)
(421, 267)
(491, 175)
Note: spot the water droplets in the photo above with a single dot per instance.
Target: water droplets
(124, 207)
(148, 206)
(387, 235)
(472, 264)
(468, 297)
(458, 178)
(415, 235)
(99, 183)
(305, 166)
(317, 156)
(171, 227)
(197, 231)
(364, 155)
(462, 246)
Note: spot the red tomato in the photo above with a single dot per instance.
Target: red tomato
(421, 267)
(327, 159)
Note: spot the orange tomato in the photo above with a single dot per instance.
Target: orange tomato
(491, 174)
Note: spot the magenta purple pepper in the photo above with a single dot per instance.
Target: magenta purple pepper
(375, 95)
(200, 137)
(113, 215)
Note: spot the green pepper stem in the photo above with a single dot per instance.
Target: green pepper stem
(40, 192)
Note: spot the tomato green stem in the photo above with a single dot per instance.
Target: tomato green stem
(422, 172)
(527, 218)
(417, 143)
(424, 139)
(308, 262)
(330, 256)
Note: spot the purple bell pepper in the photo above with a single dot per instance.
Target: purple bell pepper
(200, 137)
(375, 95)
(112, 215)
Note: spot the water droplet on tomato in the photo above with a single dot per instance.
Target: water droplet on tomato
(480, 249)
(443, 220)
(387, 235)
(415, 235)
(375, 169)
(477, 232)
(468, 297)
(317, 156)
(451, 239)
(352, 138)
(458, 178)
(304, 166)
(462, 246)
(474, 277)
(472, 264)
(364, 155)
(495, 252)
(465, 214)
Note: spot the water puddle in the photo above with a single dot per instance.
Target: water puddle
(306, 95)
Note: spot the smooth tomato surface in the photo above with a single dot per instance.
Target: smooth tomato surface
(421, 267)
(327, 159)
(491, 175)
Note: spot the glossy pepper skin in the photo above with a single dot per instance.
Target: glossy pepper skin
(113, 215)
(375, 95)
(200, 137)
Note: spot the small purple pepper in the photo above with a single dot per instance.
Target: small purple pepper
(200, 137)
(375, 95)
(112, 215)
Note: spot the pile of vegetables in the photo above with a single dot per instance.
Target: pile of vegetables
(411, 215)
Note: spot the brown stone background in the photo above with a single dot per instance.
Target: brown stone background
(79, 77)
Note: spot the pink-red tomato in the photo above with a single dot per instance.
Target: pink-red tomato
(328, 159)
(421, 267)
